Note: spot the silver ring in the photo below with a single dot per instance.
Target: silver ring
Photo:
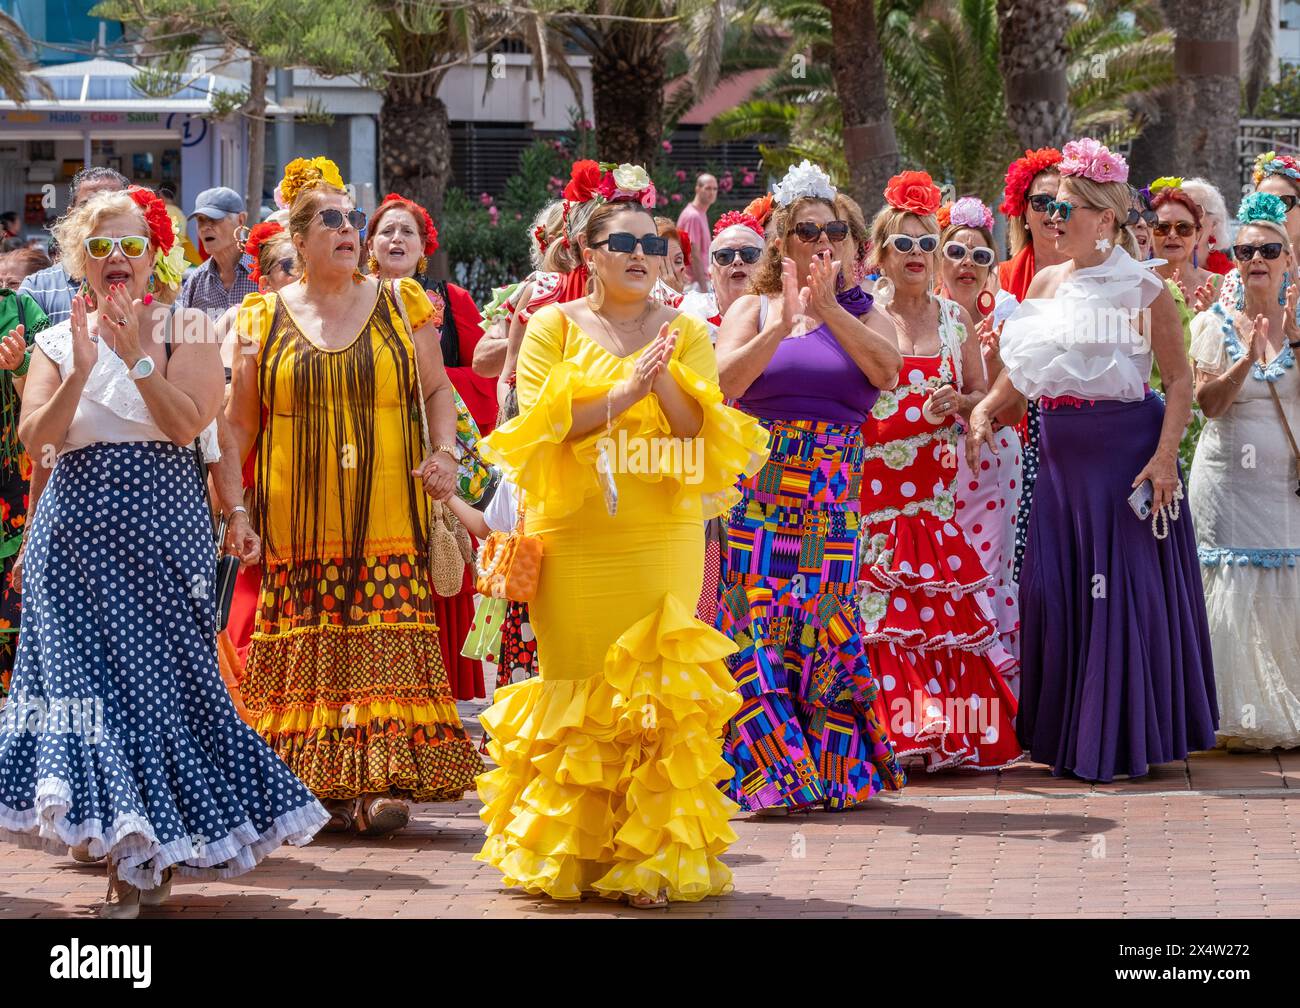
(121, 321)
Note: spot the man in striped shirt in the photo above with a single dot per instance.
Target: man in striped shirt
(52, 288)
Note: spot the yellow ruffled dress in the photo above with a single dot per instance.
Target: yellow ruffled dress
(608, 764)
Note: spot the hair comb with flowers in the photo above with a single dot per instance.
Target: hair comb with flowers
(803, 179)
(1262, 207)
(1272, 163)
(972, 213)
(1093, 160)
(301, 175)
(736, 218)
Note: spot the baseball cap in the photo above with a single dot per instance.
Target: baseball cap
(217, 203)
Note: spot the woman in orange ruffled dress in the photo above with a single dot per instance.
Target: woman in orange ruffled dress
(608, 764)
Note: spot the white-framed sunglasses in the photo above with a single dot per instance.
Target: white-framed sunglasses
(980, 255)
(132, 246)
(906, 243)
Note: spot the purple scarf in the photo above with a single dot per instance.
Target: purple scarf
(854, 300)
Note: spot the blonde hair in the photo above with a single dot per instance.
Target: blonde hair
(767, 278)
(272, 250)
(551, 220)
(1018, 226)
(889, 221)
(1113, 196)
(73, 228)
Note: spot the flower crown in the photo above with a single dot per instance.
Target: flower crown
(1020, 176)
(1272, 163)
(609, 183)
(253, 247)
(1262, 208)
(913, 192)
(803, 179)
(970, 212)
(737, 218)
(430, 232)
(169, 260)
(1093, 160)
(301, 175)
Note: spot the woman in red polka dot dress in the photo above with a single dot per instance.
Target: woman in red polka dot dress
(988, 499)
(930, 640)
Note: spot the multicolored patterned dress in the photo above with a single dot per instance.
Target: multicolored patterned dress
(930, 638)
(806, 734)
(345, 674)
(15, 472)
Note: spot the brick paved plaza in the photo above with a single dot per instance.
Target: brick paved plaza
(1218, 835)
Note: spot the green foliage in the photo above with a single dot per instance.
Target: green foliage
(1280, 100)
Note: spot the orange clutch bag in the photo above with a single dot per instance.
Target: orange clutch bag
(510, 563)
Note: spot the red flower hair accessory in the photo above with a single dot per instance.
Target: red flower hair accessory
(944, 216)
(913, 192)
(155, 216)
(684, 240)
(430, 232)
(1020, 175)
(253, 247)
(734, 218)
(584, 176)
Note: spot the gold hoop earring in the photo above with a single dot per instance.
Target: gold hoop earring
(372, 264)
(597, 290)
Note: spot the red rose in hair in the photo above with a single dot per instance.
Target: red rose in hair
(606, 187)
(155, 216)
(915, 192)
(583, 179)
(1020, 175)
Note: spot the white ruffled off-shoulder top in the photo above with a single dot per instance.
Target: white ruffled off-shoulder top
(1085, 341)
(111, 409)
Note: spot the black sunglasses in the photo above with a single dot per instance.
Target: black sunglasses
(1149, 216)
(1040, 202)
(808, 232)
(1245, 253)
(333, 218)
(288, 266)
(747, 253)
(1289, 202)
(622, 241)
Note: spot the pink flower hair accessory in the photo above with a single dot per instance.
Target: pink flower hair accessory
(972, 213)
(1093, 160)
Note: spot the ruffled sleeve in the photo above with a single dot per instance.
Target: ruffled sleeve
(415, 299)
(253, 319)
(555, 475)
(1208, 350)
(731, 444)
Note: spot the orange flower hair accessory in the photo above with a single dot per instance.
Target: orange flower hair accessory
(253, 247)
(760, 209)
(913, 192)
(944, 216)
(301, 174)
(1020, 175)
(430, 232)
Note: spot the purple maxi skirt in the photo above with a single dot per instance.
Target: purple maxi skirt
(1116, 672)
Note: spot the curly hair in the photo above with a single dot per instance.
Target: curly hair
(73, 228)
(767, 278)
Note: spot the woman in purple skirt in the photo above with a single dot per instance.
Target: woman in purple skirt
(1115, 652)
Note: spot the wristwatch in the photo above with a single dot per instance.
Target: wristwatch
(143, 368)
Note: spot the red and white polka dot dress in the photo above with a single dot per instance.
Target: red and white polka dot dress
(930, 640)
(987, 503)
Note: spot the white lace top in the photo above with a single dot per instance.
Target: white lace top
(1085, 340)
(111, 408)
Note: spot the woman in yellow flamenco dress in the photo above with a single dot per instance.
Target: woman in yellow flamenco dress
(608, 764)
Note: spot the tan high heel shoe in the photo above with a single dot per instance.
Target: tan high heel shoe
(155, 897)
(382, 815)
(81, 854)
(122, 901)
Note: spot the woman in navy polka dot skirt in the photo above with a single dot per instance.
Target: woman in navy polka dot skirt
(119, 737)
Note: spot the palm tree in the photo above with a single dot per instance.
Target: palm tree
(1205, 105)
(858, 66)
(1033, 61)
(14, 64)
(942, 66)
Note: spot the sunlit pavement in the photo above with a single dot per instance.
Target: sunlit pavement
(1213, 836)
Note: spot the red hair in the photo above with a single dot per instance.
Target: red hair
(1173, 195)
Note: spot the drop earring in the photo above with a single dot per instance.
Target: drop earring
(1286, 282)
(372, 264)
(84, 291)
(357, 276)
(1102, 244)
(422, 267)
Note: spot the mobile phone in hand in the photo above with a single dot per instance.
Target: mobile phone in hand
(1141, 499)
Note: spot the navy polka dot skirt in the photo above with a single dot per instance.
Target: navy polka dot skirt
(118, 729)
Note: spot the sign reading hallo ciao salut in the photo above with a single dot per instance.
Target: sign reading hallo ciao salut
(25, 117)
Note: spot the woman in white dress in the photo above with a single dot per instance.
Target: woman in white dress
(1244, 487)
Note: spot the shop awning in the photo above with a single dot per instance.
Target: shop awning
(103, 85)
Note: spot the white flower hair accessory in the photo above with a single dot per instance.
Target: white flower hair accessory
(803, 179)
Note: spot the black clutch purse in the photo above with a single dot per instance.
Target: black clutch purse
(227, 572)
